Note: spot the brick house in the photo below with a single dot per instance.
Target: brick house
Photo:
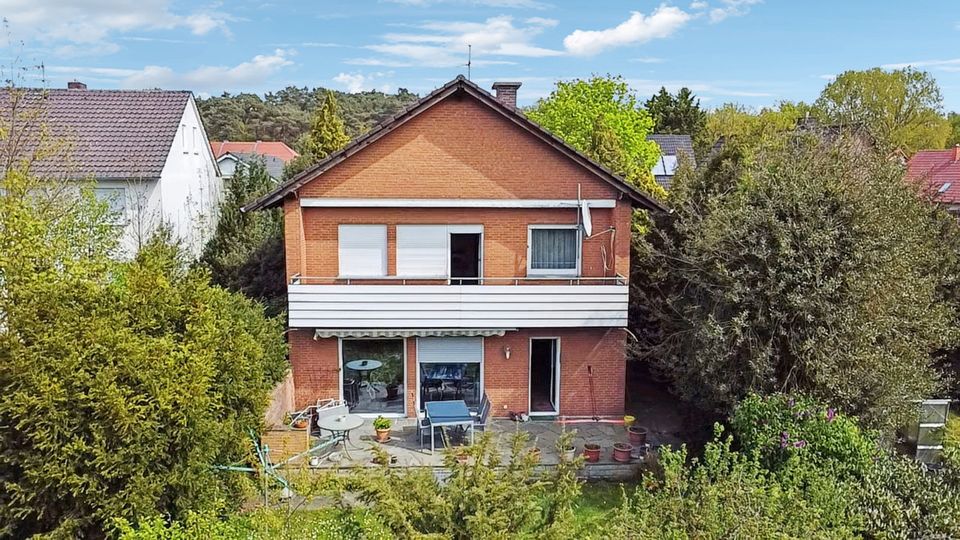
(455, 250)
(939, 173)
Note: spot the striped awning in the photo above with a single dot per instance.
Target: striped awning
(419, 332)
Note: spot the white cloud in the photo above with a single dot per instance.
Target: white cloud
(704, 89)
(952, 64)
(444, 44)
(244, 75)
(646, 60)
(92, 22)
(359, 82)
(827, 76)
(731, 8)
(663, 22)
(698, 5)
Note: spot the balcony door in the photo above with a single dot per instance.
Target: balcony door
(465, 258)
(544, 376)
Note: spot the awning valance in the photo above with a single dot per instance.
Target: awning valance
(420, 332)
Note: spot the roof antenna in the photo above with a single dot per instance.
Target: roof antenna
(469, 59)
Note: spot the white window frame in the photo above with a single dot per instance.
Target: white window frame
(449, 229)
(115, 218)
(383, 263)
(483, 360)
(341, 369)
(553, 272)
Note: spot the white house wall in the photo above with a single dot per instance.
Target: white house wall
(190, 187)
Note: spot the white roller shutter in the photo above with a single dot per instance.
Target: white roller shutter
(422, 250)
(363, 250)
(455, 350)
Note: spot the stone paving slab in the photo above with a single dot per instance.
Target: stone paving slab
(404, 446)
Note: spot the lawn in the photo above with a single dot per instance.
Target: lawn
(599, 499)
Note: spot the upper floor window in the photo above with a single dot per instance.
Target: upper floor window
(363, 250)
(554, 250)
(116, 201)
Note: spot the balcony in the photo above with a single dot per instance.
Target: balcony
(430, 303)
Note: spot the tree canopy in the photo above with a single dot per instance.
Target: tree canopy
(326, 135)
(806, 266)
(902, 109)
(245, 253)
(677, 114)
(602, 118)
(285, 115)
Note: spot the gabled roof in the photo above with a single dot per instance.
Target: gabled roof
(121, 134)
(940, 171)
(272, 164)
(672, 145)
(460, 85)
(276, 149)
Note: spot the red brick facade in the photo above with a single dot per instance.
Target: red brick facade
(461, 149)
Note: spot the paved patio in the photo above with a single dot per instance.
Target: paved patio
(405, 449)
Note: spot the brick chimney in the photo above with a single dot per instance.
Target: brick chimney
(507, 93)
(956, 153)
(76, 85)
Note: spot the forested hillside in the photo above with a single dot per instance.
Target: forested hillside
(285, 115)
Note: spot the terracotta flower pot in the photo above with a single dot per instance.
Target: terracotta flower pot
(383, 435)
(300, 423)
(591, 452)
(535, 452)
(637, 434)
(621, 452)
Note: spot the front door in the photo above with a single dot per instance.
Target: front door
(544, 376)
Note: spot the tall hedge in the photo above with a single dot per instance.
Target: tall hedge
(809, 265)
(120, 383)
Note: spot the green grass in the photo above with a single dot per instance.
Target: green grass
(599, 499)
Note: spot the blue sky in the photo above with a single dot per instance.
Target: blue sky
(754, 52)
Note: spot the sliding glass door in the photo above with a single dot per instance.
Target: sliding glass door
(373, 375)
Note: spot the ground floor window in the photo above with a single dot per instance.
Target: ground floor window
(373, 375)
(450, 368)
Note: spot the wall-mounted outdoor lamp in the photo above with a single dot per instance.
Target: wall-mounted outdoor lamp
(506, 352)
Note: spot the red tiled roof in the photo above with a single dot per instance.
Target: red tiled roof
(937, 169)
(275, 149)
(111, 133)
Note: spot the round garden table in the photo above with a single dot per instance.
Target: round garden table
(363, 366)
(341, 426)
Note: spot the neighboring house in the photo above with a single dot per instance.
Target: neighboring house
(455, 250)
(939, 170)
(671, 147)
(146, 151)
(274, 155)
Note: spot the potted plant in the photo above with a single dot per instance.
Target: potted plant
(534, 454)
(628, 421)
(621, 452)
(637, 434)
(569, 452)
(382, 426)
(462, 454)
(591, 452)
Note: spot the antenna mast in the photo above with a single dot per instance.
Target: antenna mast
(469, 59)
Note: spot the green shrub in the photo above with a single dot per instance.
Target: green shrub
(728, 494)
(779, 427)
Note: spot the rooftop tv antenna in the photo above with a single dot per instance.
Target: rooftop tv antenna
(469, 59)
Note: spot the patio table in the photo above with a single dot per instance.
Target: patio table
(364, 366)
(341, 426)
(448, 413)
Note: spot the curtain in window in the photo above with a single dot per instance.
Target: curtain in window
(553, 249)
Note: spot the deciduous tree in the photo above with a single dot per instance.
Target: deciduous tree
(902, 109)
(809, 266)
(602, 118)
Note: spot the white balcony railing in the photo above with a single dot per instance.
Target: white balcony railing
(390, 303)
